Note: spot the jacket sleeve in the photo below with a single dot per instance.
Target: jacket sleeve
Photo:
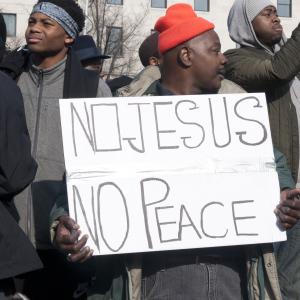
(17, 167)
(253, 72)
(284, 174)
(60, 207)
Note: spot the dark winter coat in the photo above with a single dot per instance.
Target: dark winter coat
(17, 170)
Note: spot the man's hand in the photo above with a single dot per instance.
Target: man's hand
(288, 210)
(67, 240)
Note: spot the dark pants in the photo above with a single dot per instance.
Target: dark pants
(195, 277)
(288, 264)
(59, 279)
(7, 288)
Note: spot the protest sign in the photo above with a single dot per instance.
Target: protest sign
(161, 173)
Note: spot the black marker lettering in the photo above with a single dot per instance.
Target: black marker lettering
(190, 224)
(142, 184)
(202, 221)
(142, 149)
(235, 218)
(119, 147)
(159, 224)
(184, 138)
(93, 233)
(158, 131)
(213, 124)
(99, 216)
(241, 133)
(87, 131)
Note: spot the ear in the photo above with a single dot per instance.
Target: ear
(184, 56)
(153, 61)
(69, 40)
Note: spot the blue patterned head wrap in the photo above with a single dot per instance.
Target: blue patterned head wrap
(59, 15)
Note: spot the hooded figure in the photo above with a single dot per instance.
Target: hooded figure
(240, 20)
(269, 68)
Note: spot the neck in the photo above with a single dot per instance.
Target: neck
(180, 85)
(45, 62)
(270, 47)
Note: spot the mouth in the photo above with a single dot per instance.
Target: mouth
(33, 40)
(221, 74)
(277, 28)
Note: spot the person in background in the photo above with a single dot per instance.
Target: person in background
(89, 54)
(266, 61)
(150, 59)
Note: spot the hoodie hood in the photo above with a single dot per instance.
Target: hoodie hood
(239, 21)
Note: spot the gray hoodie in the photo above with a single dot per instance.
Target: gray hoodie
(41, 90)
(239, 21)
(241, 31)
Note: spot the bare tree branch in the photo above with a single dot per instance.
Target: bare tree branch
(115, 35)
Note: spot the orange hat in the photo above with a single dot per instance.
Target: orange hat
(179, 25)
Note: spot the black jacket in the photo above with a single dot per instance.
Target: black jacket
(17, 170)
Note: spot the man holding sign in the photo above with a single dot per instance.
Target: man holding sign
(192, 65)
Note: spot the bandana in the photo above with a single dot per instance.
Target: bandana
(59, 15)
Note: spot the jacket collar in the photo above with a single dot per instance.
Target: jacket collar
(157, 89)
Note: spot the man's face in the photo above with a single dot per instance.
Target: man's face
(45, 36)
(267, 26)
(208, 61)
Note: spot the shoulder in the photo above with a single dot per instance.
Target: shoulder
(230, 87)
(141, 82)
(11, 100)
(6, 80)
(94, 85)
(248, 52)
(152, 90)
(8, 88)
(103, 89)
(14, 63)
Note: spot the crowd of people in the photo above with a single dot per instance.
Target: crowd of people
(43, 253)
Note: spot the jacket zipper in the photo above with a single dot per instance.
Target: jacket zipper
(35, 143)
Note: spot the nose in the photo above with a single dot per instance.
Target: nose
(34, 27)
(223, 59)
(276, 19)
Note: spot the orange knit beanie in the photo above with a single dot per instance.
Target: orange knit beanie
(179, 25)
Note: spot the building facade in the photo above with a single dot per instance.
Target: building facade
(144, 13)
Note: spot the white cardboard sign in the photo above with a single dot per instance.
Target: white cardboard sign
(173, 172)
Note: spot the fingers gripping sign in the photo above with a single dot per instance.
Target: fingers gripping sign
(288, 209)
(68, 240)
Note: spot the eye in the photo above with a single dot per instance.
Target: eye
(267, 13)
(47, 23)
